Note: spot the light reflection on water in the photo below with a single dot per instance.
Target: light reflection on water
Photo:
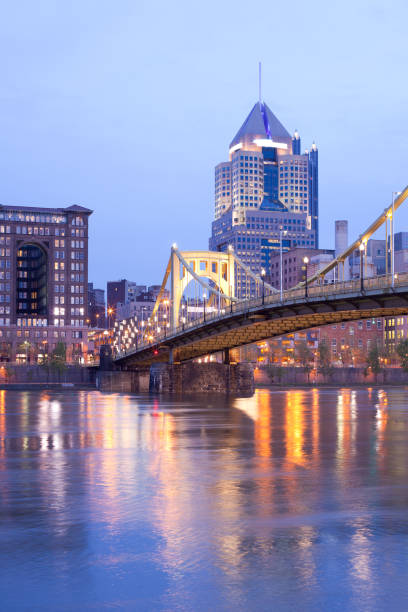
(291, 499)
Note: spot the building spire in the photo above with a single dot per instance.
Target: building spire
(260, 83)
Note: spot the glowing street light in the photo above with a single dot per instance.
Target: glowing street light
(306, 261)
(392, 234)
(282, 232)
(361, 248)
(263, 272)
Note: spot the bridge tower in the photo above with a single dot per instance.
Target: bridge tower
(185, 266)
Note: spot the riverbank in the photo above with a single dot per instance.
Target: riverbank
(31, 386)
(33, 374)
(269, 376)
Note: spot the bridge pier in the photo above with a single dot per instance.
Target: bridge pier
(190, 377)
(123, 381)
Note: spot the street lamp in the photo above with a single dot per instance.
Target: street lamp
(392, 234)
(282, 232)
(204, 298)
(361, 248)
(110, 312)
(26, 344)
(263, 284)
(306, 261)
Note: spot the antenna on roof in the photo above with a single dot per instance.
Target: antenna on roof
(260, 83)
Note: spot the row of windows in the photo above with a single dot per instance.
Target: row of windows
(77, 255)
(38, 334)
(75, 244)
(31, 322)
(32, 218)
(345, 346)
(60, 265)
(370, 324)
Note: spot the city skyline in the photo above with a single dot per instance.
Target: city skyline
(91, 124)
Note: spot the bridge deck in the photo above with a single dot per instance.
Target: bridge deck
(257, 319)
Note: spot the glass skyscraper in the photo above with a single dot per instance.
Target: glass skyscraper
(266, 187)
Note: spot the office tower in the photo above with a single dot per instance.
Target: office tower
(266, 194)
(43, 281)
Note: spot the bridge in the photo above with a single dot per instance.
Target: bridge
(261, 318)
(185, 326)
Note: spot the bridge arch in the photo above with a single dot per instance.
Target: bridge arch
(216, 266)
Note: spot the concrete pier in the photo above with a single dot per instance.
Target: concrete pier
(188, 377)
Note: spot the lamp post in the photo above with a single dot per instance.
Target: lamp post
(263, 272)
(392, 234)
(110, 312)
(361, 248)
(204, 298)
(282, 232)
(26, 344)
(45, 350)
(306, 261)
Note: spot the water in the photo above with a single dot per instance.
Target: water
(290, 500)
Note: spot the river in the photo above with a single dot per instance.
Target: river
(294, 499)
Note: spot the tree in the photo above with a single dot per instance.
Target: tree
(402, 352)
(373, 359)
(57, 360)
(24, 347)
(305, 356)
(324, 366)
(346, 356)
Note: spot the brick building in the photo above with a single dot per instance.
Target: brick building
(351, 341)
(43, 281)
(293, 266)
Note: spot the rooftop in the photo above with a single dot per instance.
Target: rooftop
(39, 209)
(261, 123)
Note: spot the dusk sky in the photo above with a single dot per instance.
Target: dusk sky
(125, 107)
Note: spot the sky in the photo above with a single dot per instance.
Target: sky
(125, 107)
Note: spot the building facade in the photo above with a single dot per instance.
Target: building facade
(122, 292)
(43, 281)
(96, 307)
(293, 267)
(266, 190)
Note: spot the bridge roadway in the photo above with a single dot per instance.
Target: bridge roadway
(258, 319)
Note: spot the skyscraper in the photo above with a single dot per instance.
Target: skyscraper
(266, 192)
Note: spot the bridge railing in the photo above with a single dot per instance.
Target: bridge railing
(289, 296)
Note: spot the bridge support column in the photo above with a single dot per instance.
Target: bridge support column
(189, 377)
(105, 358)
(227, 356)
(128, 381)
